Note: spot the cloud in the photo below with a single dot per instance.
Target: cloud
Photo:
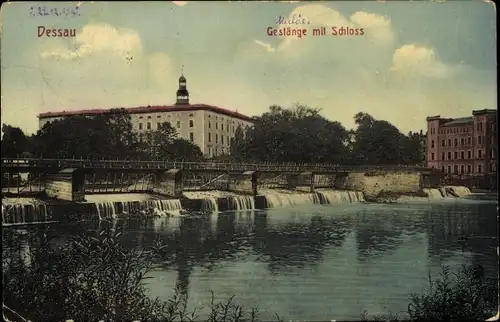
(378, 34)
(418, 60)
(97, 38)
(266, 46)
(180, 3)
(378, 27)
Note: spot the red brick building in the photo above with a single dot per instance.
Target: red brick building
(463, 147)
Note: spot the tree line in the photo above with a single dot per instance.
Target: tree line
(106, 136)
(299, 134)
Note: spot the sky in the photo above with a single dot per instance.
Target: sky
(415, 59)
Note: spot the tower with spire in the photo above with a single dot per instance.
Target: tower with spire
(182, 92)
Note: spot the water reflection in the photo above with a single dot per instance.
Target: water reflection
(358, 257)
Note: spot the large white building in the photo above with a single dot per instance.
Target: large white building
(210, 127)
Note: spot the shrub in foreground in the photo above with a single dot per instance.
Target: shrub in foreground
(92, 279)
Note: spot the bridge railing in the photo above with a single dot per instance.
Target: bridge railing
(205, 165)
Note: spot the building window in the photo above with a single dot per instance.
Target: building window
(222, 139)
(449, 142)
(479, 154)
(159, 116)
(442, 143)
(469, 154)
(442, 168)
(432, 144)
(449, 155)
(432, 156)
(209, 124)
(149, 117)
(222, 126)
(462, 155)
(462, 169)
(149, 126)
(462, 141)
(469, 140)
(216, 125)
(456, 142)
(140, 126)
(449, 169)
(455, 169)
(216, 138)
(228, 141)
(191, 136)
(227, 128)
(479, 168)
(442, 156)
(455, 155)
(469, 168)
(209, 137)
(191, 123)
(479, 141)
(178, 124)
(492, 153)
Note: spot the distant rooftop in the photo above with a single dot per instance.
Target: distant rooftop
(460, 121)
(151, 109)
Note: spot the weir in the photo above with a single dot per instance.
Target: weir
(116, 206)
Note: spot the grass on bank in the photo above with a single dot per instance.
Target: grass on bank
(92, 279)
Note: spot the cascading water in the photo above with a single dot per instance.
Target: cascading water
(209, 204)
(112, 209)
(277, 199)
(241, 203)
(333, 197)
(459, 190)
(433, 193)
(106, 209)
(27, 211)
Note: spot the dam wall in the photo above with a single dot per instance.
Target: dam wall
(373, 183)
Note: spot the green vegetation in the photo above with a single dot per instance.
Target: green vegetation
(107, 136)
(299, 134)
(91, 279)
(302, 135)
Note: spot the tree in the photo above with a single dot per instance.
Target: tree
(119, 131)
(14, 142)
(183, 150)
(379, 142)
(299, 134)
(238, 145)
(165, 145)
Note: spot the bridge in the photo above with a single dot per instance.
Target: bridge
(33, 164)
(71, 179)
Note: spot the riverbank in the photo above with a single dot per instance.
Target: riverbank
(19, 211)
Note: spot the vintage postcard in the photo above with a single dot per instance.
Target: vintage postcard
(249, 161)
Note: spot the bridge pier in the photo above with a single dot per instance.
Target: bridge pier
(169, 183)
(67, 184)
(244, 182)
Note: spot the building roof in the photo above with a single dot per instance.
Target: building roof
(460, 121)
(151, 109)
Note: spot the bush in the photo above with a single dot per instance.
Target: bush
(92, 279)
(466, 295)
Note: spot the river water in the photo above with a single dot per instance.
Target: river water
(313, 262)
